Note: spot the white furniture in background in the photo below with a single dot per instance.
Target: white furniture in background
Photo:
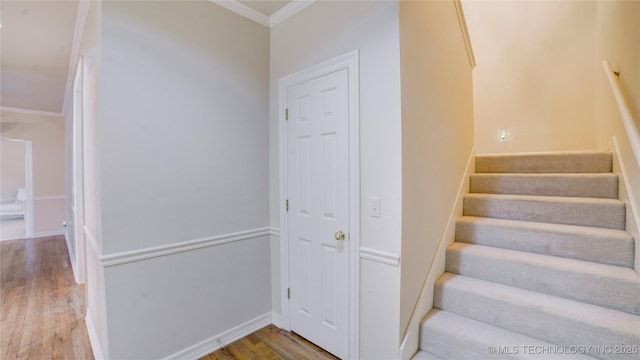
(14, 207)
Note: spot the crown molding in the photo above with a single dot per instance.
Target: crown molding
(269, 21)
(31, 112)
(243, 10)
(288, 11)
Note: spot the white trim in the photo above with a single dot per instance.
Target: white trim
(465, 33)
(93, 337)
(72, 258)
(276, 319)
(126, 257)
(410, 339)
(276, 18)
(78, 32)
(349, 61)
(50, 197)
(164, 250)
(381, 257)
(288, 11)
(31, 112)
(243, 10)
(274, 231)
(45, 234)
(214, 343)
(93, 245)
(633, 134)
(635, 212)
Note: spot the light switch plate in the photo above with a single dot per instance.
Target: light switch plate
(374, 210)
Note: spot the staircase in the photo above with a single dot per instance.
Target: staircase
(541, 268)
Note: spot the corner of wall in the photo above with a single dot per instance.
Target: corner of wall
(410, 341)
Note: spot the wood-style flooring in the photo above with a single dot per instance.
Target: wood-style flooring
(41, 307)
(42, 312)
(270, 343)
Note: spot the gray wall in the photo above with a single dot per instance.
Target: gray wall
(183, 156)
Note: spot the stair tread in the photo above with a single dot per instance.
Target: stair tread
(550, 227)
(547, 261)
(572, 310)
(480, 335)
(611, 286)
(594, 244)
(547, 199)
(596, 212)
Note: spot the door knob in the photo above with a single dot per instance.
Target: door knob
(339, 235)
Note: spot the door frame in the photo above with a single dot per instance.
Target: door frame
(77, 171)
(349, 61)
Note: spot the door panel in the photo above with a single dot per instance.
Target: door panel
(318, 194)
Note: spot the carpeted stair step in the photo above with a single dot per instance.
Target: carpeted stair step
(423, 355)
(607, 213)
(600, 185)
(575, 162)
(542, 316)
(445, 335)
(609, 286)
(605, 246)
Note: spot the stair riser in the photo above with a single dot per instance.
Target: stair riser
(434, 341)
(533, 320)
(450, 336)
(611, 216)
(573, 186)
(545, 163)
(605, 249)
(549, 277)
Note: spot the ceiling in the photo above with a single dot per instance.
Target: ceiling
(36, 41)
(35, 47)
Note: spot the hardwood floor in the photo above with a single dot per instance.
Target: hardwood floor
(270, 343)
(41, 307)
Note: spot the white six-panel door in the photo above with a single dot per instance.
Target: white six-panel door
(318, 196)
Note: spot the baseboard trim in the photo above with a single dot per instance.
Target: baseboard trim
(93, 337)
(45, 234)
(72, 259)
(276, 319)
(158, 251)
(381, 257)
(218, 341)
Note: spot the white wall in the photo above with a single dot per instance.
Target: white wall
(534, 76)
(617, 41)
(12, 169)
(437, 140)
(322, 31)
(618, 31)
(47, 135)
(183, 158)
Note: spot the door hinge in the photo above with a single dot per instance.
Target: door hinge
(288, 293)
(286, 114)
(286, 205)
